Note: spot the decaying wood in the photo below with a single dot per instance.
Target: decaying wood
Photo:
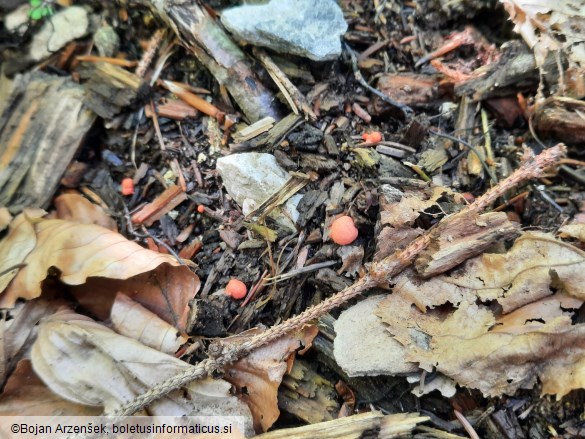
(200, 33)
(516, 70)
(272, 137)
(366, 388)
(379, 275)
(375, 423)
(110, 88)
(455, 241)
(563, 123)
(412, 89)
(42, 125)
(307, 394)
(295, 98)
(172, 109)
(163, 204)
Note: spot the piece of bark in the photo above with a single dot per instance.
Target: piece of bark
(163, 204)
(172, 109)
(43, 123)
(370, 424)
(307, 395)
(515, 71)
(465, 236)
(201, 34)
(562, 124)
(111, 88)
(412, 89)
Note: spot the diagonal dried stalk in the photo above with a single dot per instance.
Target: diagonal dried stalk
(379, 275)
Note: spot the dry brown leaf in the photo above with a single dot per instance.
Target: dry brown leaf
(73, 352)
(576, 231)
(524, 274)
(131, 319)
(462, 347)
(81, 252)
(548, 26)
(403, 210)
(78, 209)
(166, 291)
(481, 347)
(261, 372)
(26, 395)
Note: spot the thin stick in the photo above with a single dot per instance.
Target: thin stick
(406, 110)
(222, 353)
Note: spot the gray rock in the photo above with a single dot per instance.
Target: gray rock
(58, 30)
(363, 346)
(310, 28)
(251, 177)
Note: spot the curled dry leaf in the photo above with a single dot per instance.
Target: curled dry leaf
(76, 208)
(498, 352)
(82, 252)
(73, 352)
(131, 319)
(536, 263)
(166, 291)
(261, 372)
(549, 26)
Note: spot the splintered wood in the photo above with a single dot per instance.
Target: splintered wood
(43, 124)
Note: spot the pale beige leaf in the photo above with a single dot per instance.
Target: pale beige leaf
(524, 274)
(261, 372)
(549, 26)
(496, 363)
(79, 252)
(497, 349)
(26, 395)
(17, 245)
(73, 352)
(576, 231)
(76, 208)
(131, 319)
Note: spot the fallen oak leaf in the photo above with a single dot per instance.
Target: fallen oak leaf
(531, 338)
(462, 347)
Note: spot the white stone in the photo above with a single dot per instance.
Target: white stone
(364, 347)
(251, 177)
(58, 30)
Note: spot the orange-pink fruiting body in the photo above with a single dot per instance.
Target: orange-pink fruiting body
(236, 289)
(343, 230)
